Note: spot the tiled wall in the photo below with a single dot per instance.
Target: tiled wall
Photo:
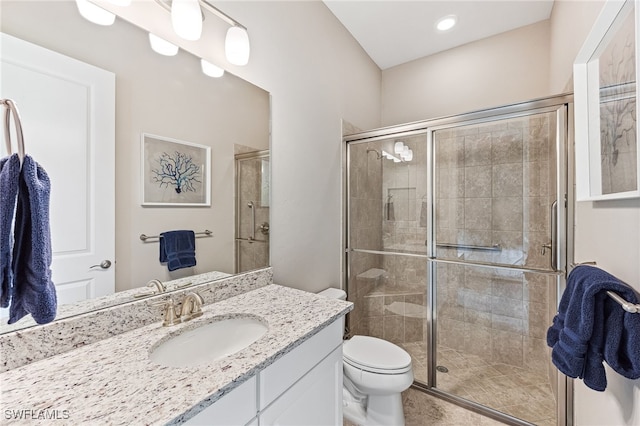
(365, 229)
(495, 184)
(252, 255)
(388, 291)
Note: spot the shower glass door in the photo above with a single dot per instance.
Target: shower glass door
(386, 234)
(252, 210)
(497, 214)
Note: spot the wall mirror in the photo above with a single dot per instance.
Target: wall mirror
(160, 95)
(606, 99)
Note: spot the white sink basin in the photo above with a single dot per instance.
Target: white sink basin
(209, 342)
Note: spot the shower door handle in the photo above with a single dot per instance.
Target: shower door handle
(253, 220)
(553, 244)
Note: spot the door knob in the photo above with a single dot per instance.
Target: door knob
(105, 264)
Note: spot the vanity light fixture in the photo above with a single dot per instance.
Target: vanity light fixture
(95, 13)
(210, 69)
(237, 46)
(162, 46)
(446, 23)
(186, 19)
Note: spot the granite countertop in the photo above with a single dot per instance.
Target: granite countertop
(90, 305)
(114, 382)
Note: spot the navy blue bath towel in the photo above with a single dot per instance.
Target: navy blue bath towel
(9, 177)
(590, 327)
(178, 249)
(33, 291)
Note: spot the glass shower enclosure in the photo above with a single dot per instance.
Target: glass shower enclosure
(457, 252)
(252, 210)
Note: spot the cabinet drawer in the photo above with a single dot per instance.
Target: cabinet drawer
(282, 374)
(237, 407)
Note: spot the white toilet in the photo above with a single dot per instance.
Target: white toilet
(375, 374)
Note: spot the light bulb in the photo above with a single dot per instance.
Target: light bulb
(408, 156)
(186, 18)
(210, 69)
(162, 46)
(398, 147)
(95, 14)
(236, 46)
(446, 23)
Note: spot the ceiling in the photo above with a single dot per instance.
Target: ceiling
(395, 32)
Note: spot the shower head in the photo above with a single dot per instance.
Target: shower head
(378, 155)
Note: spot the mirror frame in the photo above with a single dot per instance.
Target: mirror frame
(587, 104)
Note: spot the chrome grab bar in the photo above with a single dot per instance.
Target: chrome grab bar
(495, 247)
(253, 220)
(251, 240)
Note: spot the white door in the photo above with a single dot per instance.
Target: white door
(67, 109)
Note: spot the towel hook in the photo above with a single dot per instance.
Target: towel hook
(10, 107)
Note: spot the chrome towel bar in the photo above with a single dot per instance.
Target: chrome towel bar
(205, 233)
(632, 308)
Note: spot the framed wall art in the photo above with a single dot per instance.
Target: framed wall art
(606, 113)
(174, 172)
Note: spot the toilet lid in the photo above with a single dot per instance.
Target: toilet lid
(371, 353)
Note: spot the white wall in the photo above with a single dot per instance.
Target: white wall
(607, 232)
(317, 75)
(506, 68)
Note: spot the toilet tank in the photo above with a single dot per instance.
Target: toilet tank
(333, 293)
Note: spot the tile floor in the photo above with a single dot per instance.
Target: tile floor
(521, 393)
(421, 409)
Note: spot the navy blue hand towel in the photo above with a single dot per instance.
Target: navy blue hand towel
(33, 291)
(178, 249)
(590, 327)
(9, 177)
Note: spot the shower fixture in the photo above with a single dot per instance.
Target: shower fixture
(378, 155)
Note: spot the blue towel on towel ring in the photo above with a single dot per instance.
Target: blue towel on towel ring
(178, 249)
(590, 327)
(9, 178)
(33, 291)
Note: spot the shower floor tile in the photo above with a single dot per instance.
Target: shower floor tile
(521, 393)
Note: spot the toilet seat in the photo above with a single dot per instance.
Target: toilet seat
(376, 355)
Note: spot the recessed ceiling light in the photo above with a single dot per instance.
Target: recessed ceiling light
(446, 23)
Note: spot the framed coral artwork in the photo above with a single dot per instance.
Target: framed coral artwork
(174, 172)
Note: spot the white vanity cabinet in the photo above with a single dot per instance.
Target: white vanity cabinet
(304, 387)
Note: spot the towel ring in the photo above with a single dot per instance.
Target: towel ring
(10, 107)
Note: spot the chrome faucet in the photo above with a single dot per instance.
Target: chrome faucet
(160, 287)
(191, 308)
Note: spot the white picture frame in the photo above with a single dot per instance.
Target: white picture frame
(607, 148)
(174, 172)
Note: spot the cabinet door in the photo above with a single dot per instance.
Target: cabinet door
(238, 407)
(316, 399)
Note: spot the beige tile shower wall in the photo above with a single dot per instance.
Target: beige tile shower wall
(365, 225)
(252, 255)
(494, 187)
